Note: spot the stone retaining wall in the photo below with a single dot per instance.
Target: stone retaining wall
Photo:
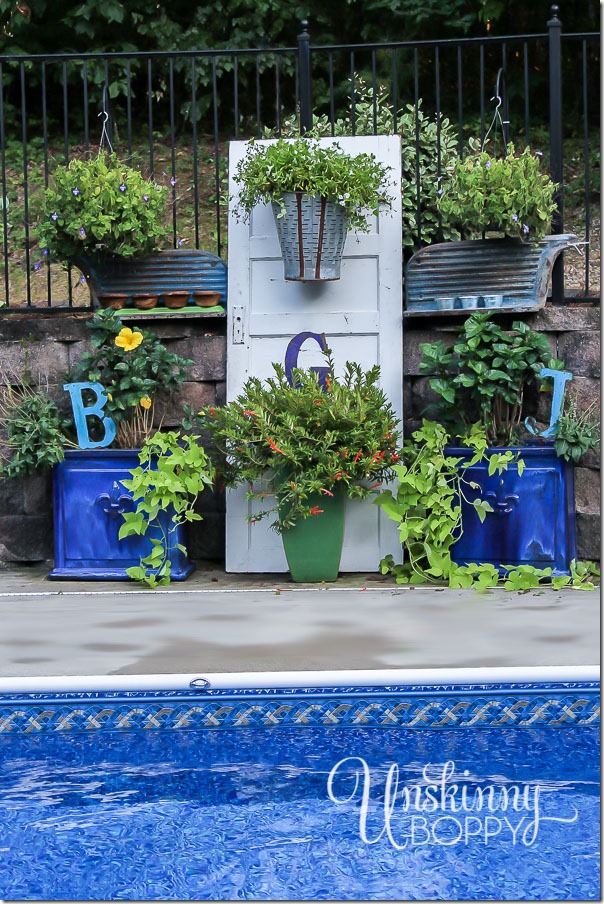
(50, 345)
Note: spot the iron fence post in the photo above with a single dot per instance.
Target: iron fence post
(555, 132)
(304, 77)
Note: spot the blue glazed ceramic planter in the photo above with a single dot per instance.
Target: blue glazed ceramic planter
(534, 520)
(88, 500)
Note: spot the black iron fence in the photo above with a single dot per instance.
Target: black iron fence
(172, 115)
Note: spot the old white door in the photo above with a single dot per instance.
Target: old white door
(361, 316)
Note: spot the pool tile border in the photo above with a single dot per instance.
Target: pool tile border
(552, 705)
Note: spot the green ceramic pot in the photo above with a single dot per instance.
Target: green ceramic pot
(313, 546)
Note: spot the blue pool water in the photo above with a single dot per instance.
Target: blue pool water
(305, 795)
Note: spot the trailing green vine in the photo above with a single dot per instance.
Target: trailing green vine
(173, 471)
(427, 506)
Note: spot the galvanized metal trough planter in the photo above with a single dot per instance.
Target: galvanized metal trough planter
(499, 273)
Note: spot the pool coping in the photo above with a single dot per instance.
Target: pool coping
(299, 679)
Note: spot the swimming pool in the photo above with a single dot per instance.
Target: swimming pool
(384, 786)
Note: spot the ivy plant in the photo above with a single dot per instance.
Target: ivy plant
(426, 505)
(173, 471)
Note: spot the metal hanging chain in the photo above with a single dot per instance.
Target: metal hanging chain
(497, 115)
(104, 132)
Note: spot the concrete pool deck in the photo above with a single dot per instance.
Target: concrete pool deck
(218, 622)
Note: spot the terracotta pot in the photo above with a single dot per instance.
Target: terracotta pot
(175, 299)
(206, 299)
(115, 301)
(145, 302)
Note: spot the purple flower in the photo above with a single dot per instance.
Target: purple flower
(37, 265)
(172, 181)
(83, 280)
(515, 217)
(122, 187)
(76, 192)
(538, 153)
(525, 229)
(180, 242)
(54, 216)
(488, 164)
(82, 231)
(145, 197)
(45, 251)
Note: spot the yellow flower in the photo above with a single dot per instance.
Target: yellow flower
(110, 397)
(128, 339)
(145, 403)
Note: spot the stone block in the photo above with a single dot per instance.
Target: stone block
(587, 491)
(422, 397)
(580, 351)
(37, 494)
(206, 539)
(221, 392)
(588, 537)
(11, 496)
(196, 395)
(586, 393)
(61, 327)
(208, 354)
(26, 538)
(571, 317)
(412, 353)
(45, 360)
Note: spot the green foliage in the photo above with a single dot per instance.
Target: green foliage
(508, 195)
(583, 576)
(99, 207)
(427, 506)
(173, 471)
(576, 432)
(35, 431)
(133, 366)
(357, 182)
(294, 441)
(429, 152)
(485, 375)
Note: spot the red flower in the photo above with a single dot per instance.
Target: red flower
(250, 413)
(315, 510)
(274, 446)
(213, 412)
(358, 455)
(327, 493)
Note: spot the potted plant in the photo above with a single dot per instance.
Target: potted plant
(98, 210)
(115, 389)
(304, 446)
(506, 195)
(502, 207)
(486, 383)
(317, 192)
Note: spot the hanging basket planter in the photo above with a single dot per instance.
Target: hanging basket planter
(312, 233)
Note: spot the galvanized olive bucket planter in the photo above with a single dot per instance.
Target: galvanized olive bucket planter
(312, 233)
